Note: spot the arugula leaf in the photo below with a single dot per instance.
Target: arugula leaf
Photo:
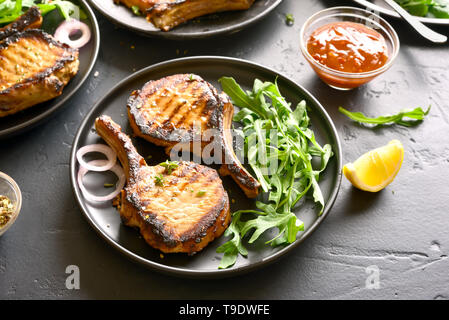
(440, 9)
(415, 117)
(10, 10)
(416, 8)
(279, 147)
(286, 222)
(240, 98)
(68, 9)
(426, 8)
(233, 247)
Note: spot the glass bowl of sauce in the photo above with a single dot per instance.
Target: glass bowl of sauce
(348, 47)
(10, 202)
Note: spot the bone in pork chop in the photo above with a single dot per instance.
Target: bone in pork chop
(34, 68)
(177, 210)
(169, 111)
(167, 14)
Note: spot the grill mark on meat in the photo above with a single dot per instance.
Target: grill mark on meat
(180, 104)
(195, 88)
(157, 89)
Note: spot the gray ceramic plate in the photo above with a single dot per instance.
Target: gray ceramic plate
(382, 7)
(28, 118)
(105, 219)
(203, 27)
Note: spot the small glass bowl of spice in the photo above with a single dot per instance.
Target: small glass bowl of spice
(10, 202)
(348, 47)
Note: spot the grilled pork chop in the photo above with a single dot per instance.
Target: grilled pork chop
(34, 68)
(168, 111)
(32, 19)
(177, 209)
(167, 14)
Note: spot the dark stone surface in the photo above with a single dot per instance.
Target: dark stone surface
(401, 230)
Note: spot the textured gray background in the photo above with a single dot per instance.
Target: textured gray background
(402, 230)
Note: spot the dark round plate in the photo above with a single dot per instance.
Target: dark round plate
(203, 27)
(105, 219)
(26, 119)
(382, 7)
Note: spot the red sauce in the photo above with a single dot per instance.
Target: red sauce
(348, 47)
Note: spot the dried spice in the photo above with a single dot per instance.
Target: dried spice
(6, 210)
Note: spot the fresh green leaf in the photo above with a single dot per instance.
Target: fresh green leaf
(136, 10)
(406, 118)
(440, 9)
(169, 166)
(68, 9)
(159, 180)
(289, 19)
(200, 193)
(239, 97)
(234, 246)
(279, 148)
(10, 10)
(426, 8)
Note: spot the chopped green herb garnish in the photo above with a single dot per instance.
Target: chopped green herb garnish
(169, 166)
(136, 10)
(289, 19)
(109, 185)
(406, 118)
(279, 147)
(159, 180)
(201, 193)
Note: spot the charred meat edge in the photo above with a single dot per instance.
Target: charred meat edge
(167, 15)
(132, 161)
(32, 19)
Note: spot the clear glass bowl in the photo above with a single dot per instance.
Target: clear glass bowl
(9, 188)
(347, 80)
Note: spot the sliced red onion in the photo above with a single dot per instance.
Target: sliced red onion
(70, 27)
(118, 187)
(101, 148)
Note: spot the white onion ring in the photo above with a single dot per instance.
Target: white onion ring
(118, 170)
(101, 148)
(70, 27)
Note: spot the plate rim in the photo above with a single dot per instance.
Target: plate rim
(31, 123)
(392, 13)
(218, 273)
(187, 36)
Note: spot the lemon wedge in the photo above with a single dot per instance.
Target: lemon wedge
(377, 168)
